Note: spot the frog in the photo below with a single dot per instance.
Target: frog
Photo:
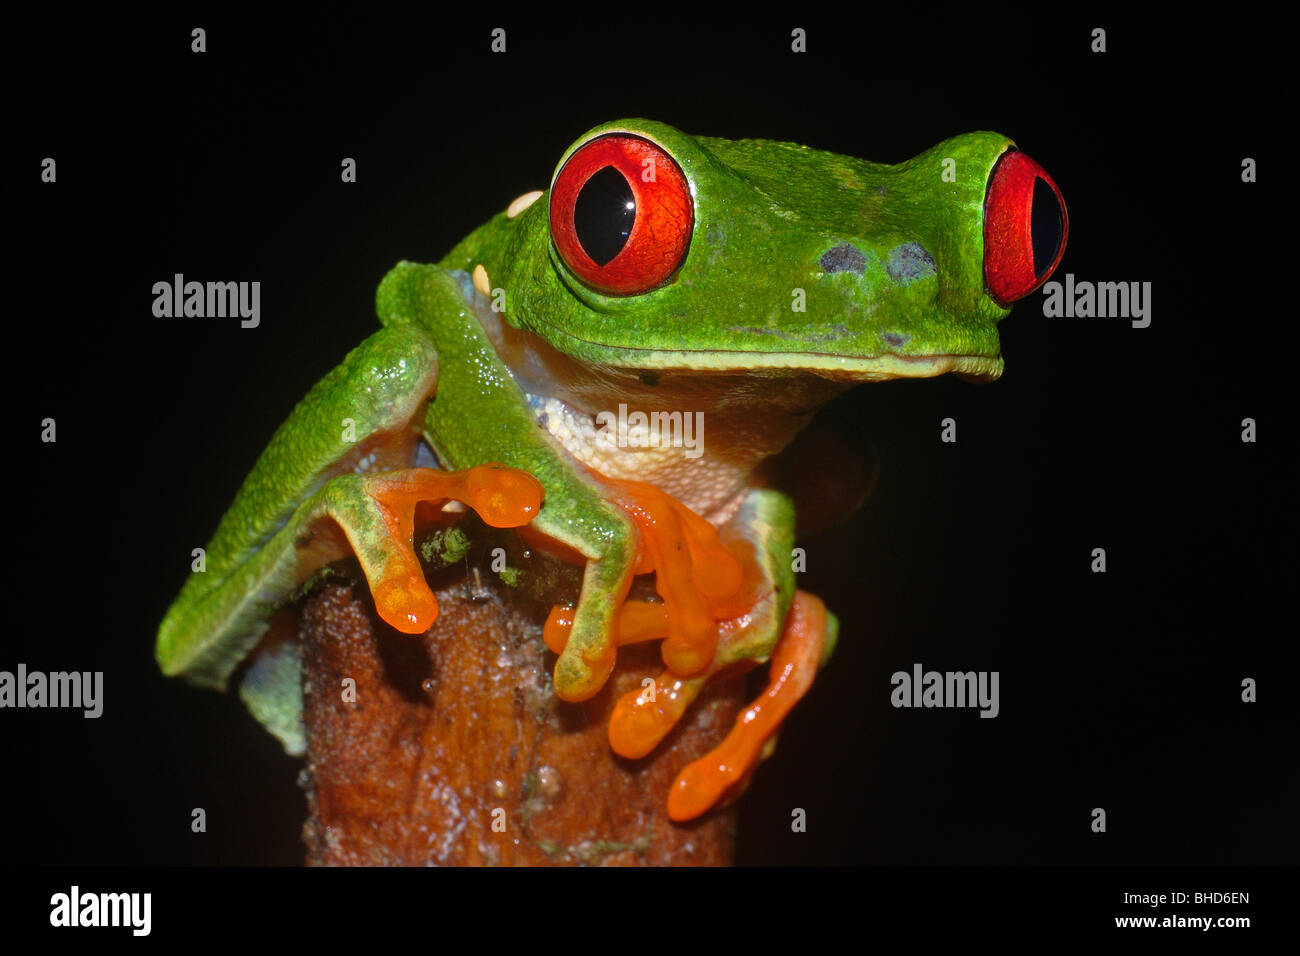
(741, 284)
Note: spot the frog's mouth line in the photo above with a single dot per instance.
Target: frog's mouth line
(873, 368)
(845, 368)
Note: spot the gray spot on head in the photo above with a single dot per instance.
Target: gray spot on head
(909, 262)
(845, 257)
(894, 339)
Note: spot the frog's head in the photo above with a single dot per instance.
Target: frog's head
(655, 250)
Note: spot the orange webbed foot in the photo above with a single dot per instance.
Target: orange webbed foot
(503, 497)
(717, 613)
(699, 578)
(794, 664)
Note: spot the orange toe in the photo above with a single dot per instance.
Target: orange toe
(503, 497)
(406, 603)
(643, 716)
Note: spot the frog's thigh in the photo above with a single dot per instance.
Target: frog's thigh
(765, 523)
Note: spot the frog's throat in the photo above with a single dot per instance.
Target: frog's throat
(844, 368)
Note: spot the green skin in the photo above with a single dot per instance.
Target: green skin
(449, 369)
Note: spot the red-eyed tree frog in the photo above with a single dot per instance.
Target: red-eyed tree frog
(739, 284)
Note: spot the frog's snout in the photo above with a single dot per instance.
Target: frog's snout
(1025, 227)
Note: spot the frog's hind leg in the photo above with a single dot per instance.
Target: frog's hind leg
(762, 534)
(643, 717)
(759, 539)
(799, 652)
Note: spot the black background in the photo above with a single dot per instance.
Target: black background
(1119, 691)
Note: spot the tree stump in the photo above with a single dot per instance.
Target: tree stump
(451, 748)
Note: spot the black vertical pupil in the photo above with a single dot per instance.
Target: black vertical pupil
(603, 215)
(1045, 223)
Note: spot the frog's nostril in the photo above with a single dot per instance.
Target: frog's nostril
(1025, 227)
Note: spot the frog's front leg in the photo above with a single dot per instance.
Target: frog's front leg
(588, 650)
(319, 491)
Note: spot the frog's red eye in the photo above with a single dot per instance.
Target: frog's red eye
(1025, 227)
(621, 214)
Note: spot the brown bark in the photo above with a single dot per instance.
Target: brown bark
(458, 729)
